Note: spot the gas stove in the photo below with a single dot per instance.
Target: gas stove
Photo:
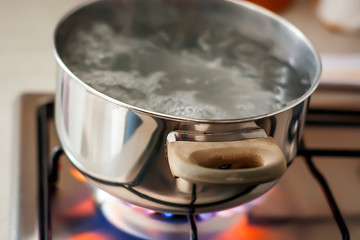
(54, 201)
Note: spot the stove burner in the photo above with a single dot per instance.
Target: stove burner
(148, 224)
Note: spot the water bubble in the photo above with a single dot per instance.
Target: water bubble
(278, 90)
(202, 41)
(214, 64)
(305, 81)
(164, 36)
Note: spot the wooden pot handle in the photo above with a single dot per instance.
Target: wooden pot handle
(249, 162)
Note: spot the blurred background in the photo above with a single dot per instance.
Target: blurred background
(27, 63)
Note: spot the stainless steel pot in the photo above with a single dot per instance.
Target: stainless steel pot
(175, 164)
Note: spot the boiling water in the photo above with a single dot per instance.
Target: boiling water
(220, 74)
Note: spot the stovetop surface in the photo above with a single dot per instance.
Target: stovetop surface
(294, 209)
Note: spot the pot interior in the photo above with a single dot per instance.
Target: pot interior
(190, 59)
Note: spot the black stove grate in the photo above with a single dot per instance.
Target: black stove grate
(330, 198)
(48, 163)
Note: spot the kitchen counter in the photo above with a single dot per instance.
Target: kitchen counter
(27, 65)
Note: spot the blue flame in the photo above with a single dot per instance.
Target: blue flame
(206, 216)
(168, 215)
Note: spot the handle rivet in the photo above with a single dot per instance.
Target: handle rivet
(225, 166)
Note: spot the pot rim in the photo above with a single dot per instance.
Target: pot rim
(250, 6)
